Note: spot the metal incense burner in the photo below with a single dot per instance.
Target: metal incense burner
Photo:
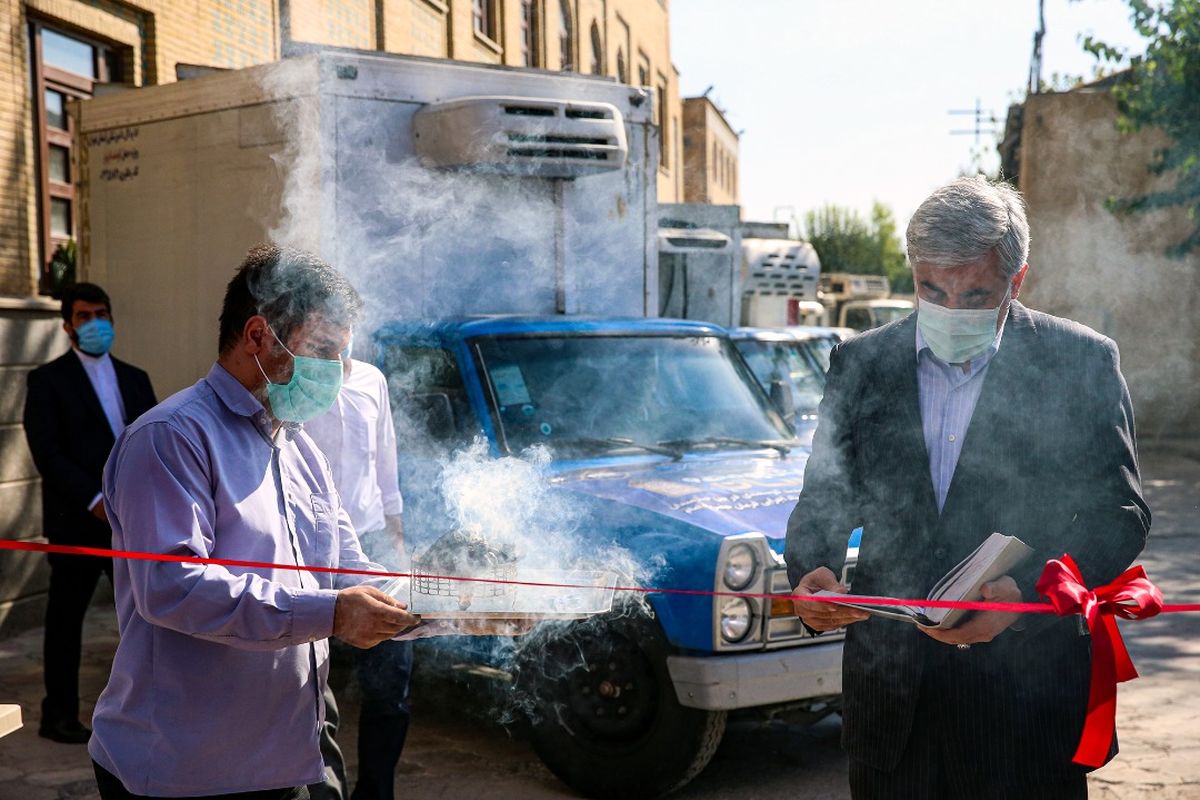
(465, 554)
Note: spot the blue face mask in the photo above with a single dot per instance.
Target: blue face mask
(311, 392)
(95, 336)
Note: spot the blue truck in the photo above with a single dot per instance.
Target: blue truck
(666, 445)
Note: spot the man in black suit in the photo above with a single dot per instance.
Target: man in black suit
(75, 407)
(973, 415)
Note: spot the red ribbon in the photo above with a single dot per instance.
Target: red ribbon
(1131, 596)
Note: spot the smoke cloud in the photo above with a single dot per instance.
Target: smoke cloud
(422, 243)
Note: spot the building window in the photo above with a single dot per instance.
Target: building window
(484, 13)
(531, 34)
(597, 50)
(622, 66)
(643, 70)
(566, 35)
(64, 67)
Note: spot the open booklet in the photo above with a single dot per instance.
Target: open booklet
(581, 593)
(995, 557)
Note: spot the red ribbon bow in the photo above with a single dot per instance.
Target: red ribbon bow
(1131, 596)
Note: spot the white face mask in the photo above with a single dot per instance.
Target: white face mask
(956, 335)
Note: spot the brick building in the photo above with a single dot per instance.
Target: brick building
(710, 154)
(52, 51)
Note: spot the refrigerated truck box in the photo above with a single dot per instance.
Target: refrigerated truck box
(439, 188)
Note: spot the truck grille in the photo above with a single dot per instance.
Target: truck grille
(781, 628)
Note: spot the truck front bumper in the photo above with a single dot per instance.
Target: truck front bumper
(745, 680)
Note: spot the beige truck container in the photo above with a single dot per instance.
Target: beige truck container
(440, 188)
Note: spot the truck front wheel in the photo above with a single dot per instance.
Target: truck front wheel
(604, 714)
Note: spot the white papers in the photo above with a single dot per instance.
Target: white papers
(993, 558)
(576, 594)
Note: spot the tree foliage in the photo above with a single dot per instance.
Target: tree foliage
(847, 242)
(1161, 89)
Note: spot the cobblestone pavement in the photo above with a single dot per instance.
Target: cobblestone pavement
(451, 755)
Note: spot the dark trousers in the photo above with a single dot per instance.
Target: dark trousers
(111, 788)
(72, 581)
(383, 673)
(334, 785)
(936, 767)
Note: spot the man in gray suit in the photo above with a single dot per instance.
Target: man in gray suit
(975, 414)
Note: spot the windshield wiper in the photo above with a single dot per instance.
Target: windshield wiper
(782, 446)
(662, 448)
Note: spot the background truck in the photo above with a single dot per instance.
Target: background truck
(714, 267)
(445, 192)
(861, 302)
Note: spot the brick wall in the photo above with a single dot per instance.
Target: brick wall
(17, 212)
(30, 334)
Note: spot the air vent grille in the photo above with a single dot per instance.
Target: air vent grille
(522, 136)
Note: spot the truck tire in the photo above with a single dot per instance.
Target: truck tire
(603, 713)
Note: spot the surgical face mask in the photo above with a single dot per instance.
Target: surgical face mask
(95, 336)
(311, 392)
(956, 335)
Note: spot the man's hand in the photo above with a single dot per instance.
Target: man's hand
(98, 511)
(364, 616)
(983, 626)
(824, 616)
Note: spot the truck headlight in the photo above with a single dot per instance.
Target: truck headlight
(740, 565)
(736, 617)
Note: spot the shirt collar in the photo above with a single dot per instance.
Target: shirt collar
(89, 360)
(236, 397)
(977, 363)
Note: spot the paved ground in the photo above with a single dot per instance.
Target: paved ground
(451, 755)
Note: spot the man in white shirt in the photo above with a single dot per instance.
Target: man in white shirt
(358, 437)
(75, 407)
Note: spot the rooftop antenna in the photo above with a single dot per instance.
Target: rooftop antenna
(985, 122)
(1035, 64)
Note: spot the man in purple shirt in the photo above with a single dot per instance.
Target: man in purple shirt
(216, 687)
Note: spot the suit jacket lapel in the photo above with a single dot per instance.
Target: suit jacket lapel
(125, 386)
(80, 377)
(900, 369)
(994, 412)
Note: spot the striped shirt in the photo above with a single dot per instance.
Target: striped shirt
(948, 397)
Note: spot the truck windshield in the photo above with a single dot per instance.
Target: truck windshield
(592, 394)
(787, 362)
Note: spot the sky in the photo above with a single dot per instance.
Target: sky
(846, 101)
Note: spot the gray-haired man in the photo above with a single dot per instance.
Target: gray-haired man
(975, 414)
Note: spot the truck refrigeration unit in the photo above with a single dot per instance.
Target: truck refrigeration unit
(440, 188)
(502, 227)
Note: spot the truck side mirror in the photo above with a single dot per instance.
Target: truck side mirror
(781, 396)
